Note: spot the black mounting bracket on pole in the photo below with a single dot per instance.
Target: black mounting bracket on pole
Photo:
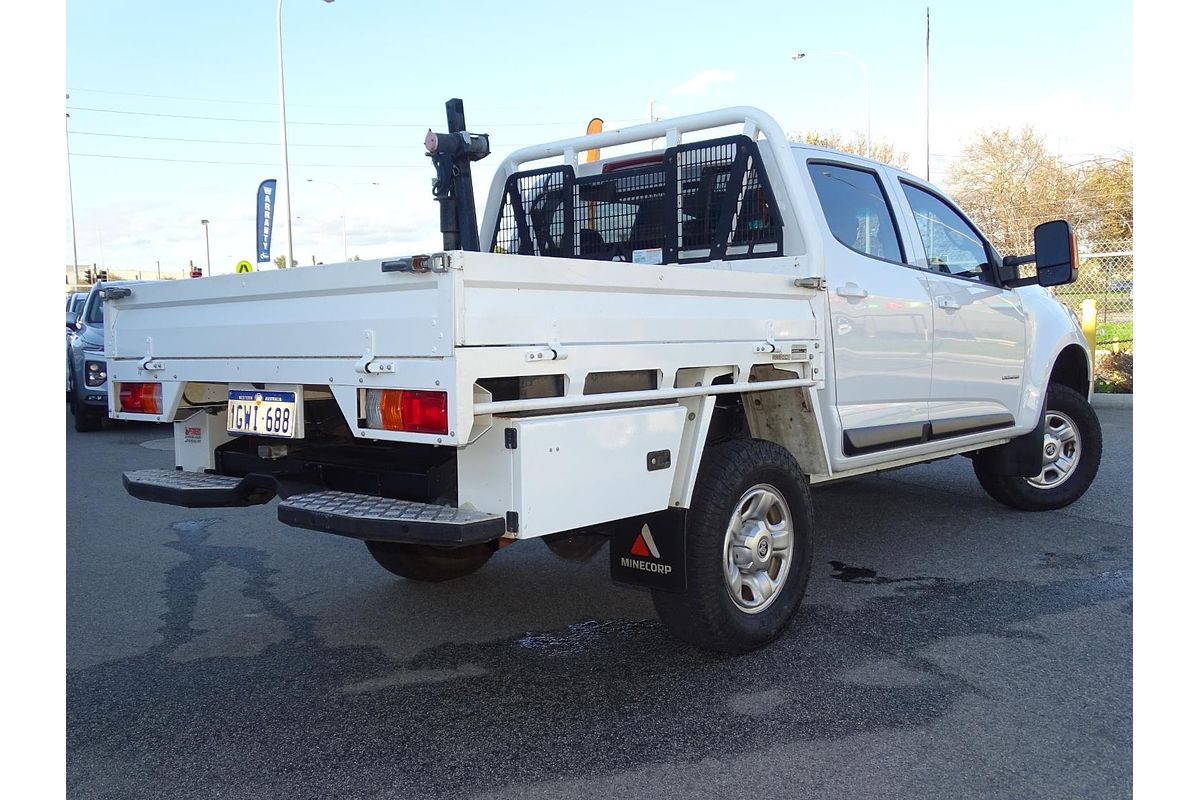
(452, 154)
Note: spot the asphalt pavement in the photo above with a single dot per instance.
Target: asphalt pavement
(948, 647)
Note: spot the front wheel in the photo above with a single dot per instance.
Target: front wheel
(1071, 449)
(749, 549)
(420, 562)
(87, 419)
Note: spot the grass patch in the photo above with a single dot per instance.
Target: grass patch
(1108, 333)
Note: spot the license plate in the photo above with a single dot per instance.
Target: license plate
(266, 413)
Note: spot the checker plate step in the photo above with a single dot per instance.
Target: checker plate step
(384, 519)
(191, 489)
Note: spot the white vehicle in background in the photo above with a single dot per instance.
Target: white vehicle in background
(662, 349)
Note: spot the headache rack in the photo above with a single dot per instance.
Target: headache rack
(708, 200)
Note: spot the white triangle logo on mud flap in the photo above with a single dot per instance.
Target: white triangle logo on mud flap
(644, 545)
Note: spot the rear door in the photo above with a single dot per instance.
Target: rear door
(979, 327)
(880, 314)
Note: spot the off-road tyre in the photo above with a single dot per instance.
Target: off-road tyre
(420, 562)
(1023, 493)
(706, 615)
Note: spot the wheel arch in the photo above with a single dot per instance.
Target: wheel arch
(1056, 352)
(789, 418)
(1073, 369)
(786, 417)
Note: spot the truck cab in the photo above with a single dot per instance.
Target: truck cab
(660, 350)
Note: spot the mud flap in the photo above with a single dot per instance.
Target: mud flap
(648, 551)
(1021, 457)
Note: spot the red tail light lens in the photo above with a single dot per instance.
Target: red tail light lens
(408, 410)
(424, 412)
(141, 398)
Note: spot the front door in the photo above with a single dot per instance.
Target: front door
(978, 327)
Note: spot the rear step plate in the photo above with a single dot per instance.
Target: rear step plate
(192, 489)
(383, 519)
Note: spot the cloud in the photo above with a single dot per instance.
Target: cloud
(702, 81)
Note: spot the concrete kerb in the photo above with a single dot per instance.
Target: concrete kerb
(1108, 400)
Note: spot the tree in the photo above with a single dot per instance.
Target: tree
(1108, 188)
(1009, 183)
(281, 261)
(883, 151)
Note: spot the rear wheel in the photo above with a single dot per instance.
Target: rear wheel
(749, 549)
(1071, 449)
(419, 562)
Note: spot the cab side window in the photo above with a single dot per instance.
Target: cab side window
(856, 210)
(951, 246)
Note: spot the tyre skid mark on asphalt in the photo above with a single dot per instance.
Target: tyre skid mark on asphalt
(594, 698)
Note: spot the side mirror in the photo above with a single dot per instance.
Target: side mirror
(1055, 254)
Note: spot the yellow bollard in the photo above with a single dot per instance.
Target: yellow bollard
(1089, 327)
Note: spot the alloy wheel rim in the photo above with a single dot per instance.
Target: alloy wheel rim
(1061, 449)
(759, 542)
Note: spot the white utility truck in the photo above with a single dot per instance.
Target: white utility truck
(661, 349)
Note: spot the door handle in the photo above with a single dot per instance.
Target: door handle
(948, 303)
(851, 290)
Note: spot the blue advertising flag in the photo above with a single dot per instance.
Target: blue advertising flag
(266, 213)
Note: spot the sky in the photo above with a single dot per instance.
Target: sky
(174, 114)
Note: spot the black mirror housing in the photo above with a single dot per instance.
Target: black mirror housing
(1006, 274)
(1055, 253)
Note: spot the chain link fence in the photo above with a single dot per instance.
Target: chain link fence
(1106, 276)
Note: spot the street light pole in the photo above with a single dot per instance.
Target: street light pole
(287, 192)
(345, 251)
(207, 255)
(866, 83)
(71, 195)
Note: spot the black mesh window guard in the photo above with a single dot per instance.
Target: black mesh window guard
(706, 201)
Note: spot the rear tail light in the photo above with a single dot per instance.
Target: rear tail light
(141, 398)
(408, 410)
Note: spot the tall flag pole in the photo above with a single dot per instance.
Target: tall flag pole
(926, 92)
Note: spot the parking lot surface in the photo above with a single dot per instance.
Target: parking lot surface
(948, 647)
